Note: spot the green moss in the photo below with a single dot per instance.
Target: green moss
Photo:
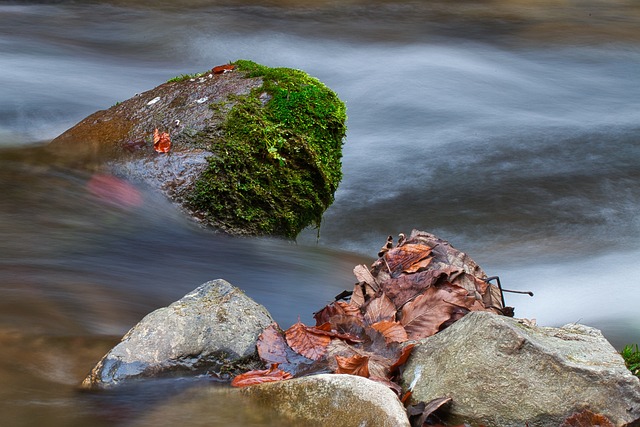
(183, 77)
(278, 155)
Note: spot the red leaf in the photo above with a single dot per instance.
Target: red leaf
(423, 316)
(354, 365)
(303, 340)
(391, 330)
(261, 376)
(114, 191)
(378, 309)
(587, 418)
(272, 345)
(221, 69)
(336, 310)
(161, 141)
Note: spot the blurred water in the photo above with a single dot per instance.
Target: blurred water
(510, 129)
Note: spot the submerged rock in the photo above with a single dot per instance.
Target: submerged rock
(254, 150)
(332, 400)
(501, 372)
(212, 328)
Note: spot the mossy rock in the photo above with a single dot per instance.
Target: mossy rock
(255, 150)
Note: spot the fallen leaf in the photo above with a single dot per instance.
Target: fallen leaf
(587, 418)
(336, 309)
(272, 347)
(402, 359)
(221, 69)
(406, 287)
(378, 309)
(391, 330)
(423, 316)
(354, 365)
(403, 257)
(161, 141)
(420, 412)
(261, 376)
(306, 342)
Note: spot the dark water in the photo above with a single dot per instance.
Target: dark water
(512, 129)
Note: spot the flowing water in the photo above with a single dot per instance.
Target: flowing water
(510, 128)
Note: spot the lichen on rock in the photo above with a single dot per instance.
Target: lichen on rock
(254, 150)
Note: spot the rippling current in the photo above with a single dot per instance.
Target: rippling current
(511, 129)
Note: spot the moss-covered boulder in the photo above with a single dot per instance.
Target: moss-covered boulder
(254, 150)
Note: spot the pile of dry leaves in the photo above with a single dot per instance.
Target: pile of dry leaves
(413, 290)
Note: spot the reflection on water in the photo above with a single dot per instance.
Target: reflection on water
(509, 128)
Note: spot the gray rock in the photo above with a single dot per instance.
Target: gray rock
(332, 400)
(212, 327)
(501, 372)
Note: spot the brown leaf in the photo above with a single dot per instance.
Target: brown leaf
(261, 376)
(354, 365)
(391, 330)
(357, 298)
(363, 275)
(404, 257)
(587, 418)
(336, 310)
(378, 309)
(419, 412)
(272, 347)
(423, 316)
(406, 287)
(161, 141)
(417, 266)
(402, 359)
(306, 342)
(221, 69)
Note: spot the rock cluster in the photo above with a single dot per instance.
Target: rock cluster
(212, 328)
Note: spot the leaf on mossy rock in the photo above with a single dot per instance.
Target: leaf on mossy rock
(161, 141)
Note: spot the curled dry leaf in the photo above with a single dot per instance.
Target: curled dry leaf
(404, 257)
(261, 376)
(303, 340)
(161, 141)
(336, 310)
(391, 330)
(354, 365)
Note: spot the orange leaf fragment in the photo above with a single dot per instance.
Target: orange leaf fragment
(307, 342)
(161, 141)
(587, 418)
(221, 69)
(261, 376)
(391, 331)
(354, 365)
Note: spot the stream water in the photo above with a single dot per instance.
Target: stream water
(509, 128)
